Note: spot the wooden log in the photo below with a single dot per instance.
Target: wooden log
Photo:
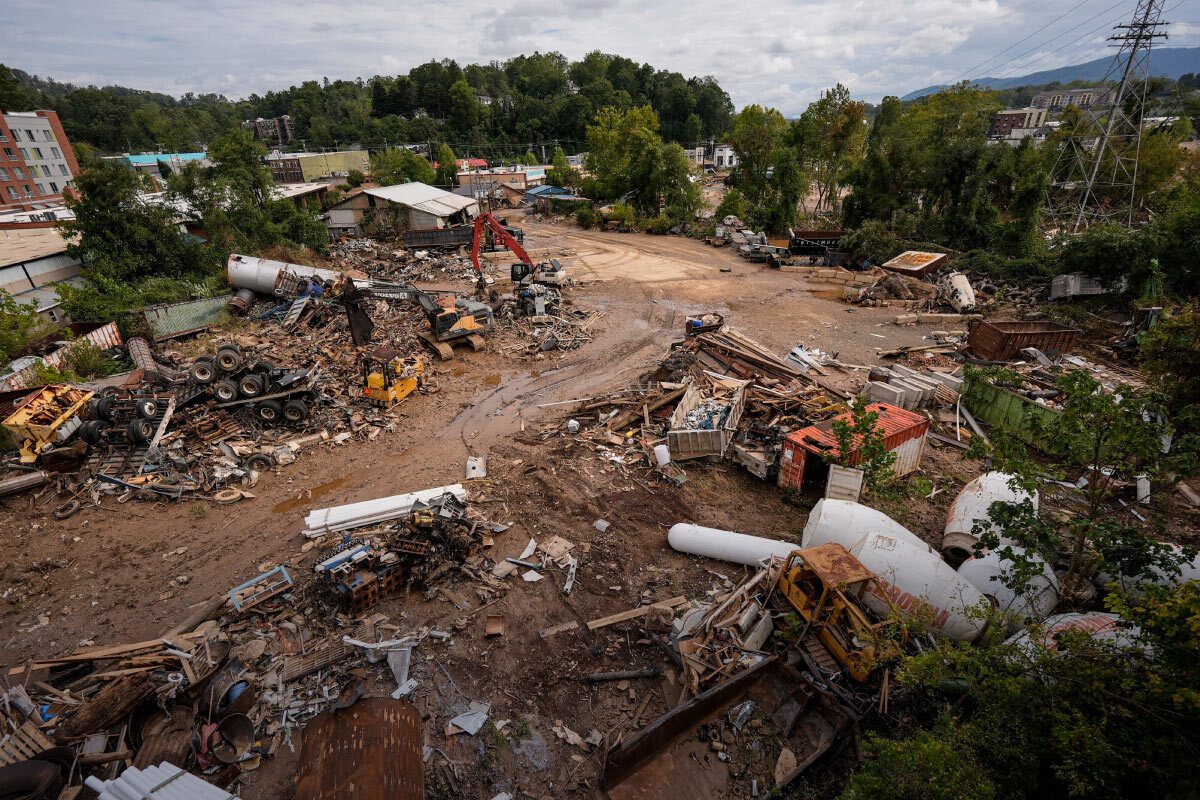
(113, 703)
(634, 613)
(201, 614)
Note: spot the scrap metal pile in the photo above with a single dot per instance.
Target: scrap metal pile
(716, 394)
(245, 672)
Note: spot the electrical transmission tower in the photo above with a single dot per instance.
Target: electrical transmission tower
(1095, 177)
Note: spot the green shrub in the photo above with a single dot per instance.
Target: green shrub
(660, 224)
(586, 217)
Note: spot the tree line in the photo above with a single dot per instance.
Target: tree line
(481, 109)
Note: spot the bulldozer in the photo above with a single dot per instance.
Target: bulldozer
(463, 323)
(826, 585)
(388, 379)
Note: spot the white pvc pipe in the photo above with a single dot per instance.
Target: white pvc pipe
(354, 515)
(1188, 571)
(845, 522)
(736, 548)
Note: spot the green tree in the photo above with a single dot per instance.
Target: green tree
(118, 236)
(756, 136)
(861, 444)
(399, 164)
(447, 167)
(464, 109)
(830, 137)
(560, 173)
(1108, 437)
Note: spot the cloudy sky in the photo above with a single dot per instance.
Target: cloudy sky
(778, 53)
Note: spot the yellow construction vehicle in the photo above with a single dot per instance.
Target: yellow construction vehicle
(388, 380)
(462, 322)
(45, 417)
(826, 585)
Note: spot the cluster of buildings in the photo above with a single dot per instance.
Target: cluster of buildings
(277, 130)
(1040, 117)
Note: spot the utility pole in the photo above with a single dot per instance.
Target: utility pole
(1095, 177)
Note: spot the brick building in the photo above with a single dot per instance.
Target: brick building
(277, 129)
(36, 160)
(1058, 99)
(1016, 122)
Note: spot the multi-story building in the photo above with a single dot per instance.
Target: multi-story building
(276, 129)
(518, 177)
(1058, 99)
(36, 160)
(1016, 123)
(308, 167)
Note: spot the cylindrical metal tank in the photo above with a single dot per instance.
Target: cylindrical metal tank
(1188, 571)
(989, 572)
(259, 274)
(973, 503)
(241, 302)
(844, 522)
(1096, 624)
(921, 586)
(737, 548)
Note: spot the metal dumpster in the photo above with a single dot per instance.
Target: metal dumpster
(1003, 340)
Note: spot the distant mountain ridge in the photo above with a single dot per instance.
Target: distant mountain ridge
(1168, 62)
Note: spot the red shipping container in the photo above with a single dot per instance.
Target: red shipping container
(802, 459)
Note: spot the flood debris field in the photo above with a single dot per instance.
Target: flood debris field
(502, 547)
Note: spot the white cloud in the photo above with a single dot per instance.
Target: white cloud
(783, 53)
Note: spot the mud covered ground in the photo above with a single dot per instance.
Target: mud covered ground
(114, 574)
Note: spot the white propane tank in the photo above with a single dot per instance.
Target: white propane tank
(987, 574)
(922, 587)
(736, 548)
(972, 504)
(845, 522)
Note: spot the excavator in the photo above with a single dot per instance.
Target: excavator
(549, 273)
(467, 320)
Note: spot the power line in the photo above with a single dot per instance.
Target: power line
(1064, 33)
(1068, 48)
(969, 70)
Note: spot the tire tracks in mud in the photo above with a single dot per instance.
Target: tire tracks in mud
(603, 364)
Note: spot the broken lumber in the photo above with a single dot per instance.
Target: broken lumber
(634, 613)
(112, 704)
(627, 418)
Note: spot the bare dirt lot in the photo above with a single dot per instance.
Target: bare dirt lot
(115, 574)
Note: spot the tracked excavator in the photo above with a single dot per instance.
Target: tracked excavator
(549, 273)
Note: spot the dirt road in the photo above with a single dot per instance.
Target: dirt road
(115, 573)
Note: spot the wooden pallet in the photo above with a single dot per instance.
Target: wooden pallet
(23, 744)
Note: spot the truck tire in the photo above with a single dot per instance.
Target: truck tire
(140, 431)
(225, 391)
(147, 409)
(269, 412)
(230, 359)
(104, 408)
(90, 431)
(252, 385)
(295, 411)
(203, 371)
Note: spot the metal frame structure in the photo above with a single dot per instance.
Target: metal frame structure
(1095, 177)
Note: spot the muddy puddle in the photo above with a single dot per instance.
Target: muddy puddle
(308, 495)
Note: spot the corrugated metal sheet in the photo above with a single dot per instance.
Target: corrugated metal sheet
(368, 751)
(177, 319)
(102, 336)
(44, 270)
(422, 197)
(1021, 417)
(897, 425)
(916, 262)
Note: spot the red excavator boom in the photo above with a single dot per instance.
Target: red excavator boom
(487, 220)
